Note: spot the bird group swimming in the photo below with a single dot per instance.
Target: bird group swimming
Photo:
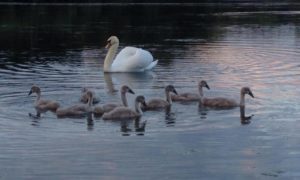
(131, 59)
(115, 111)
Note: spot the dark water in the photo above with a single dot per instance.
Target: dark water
(61, 49)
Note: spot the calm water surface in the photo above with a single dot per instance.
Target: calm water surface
(61, 49)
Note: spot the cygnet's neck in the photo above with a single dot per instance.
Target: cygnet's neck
(200, 88)
(242, 111)
(110, 57)
(38, 97)
(168, 96)
(138, 108)
(242, 101)
(90, 101)
(124, 99)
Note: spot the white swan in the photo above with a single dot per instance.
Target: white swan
(129, 59)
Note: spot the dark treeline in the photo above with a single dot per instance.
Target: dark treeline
(34, 29)
(148, 1)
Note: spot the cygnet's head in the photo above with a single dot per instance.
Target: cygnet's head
(125, 89)
(171, 88)
(89, 94)
(203, 84)
(247, 90)
(111, 41)
(34, 89)
(83, 90)
(141, 99)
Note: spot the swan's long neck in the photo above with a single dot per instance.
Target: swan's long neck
(168, 96)
(242, 101)
(110, 57)
(138, 108)
(124, 99)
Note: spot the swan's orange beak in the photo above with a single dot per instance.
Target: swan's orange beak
(108, 45)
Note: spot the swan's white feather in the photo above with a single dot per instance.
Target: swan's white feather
(132, 59)
(151, 65)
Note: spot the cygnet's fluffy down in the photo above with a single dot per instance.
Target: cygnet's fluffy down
(126, 112)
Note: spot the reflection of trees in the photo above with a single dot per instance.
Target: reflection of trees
(57, 28)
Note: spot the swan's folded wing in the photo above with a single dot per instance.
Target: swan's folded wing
(156, 103)
(185, 97)
(126, 53)
(45, 105)
(151, 65)
(119, 113)
(133, 59)
(219, 102)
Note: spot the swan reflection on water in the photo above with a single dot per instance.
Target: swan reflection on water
(89, 121)
(244, 119)
(170, 117)
(203, 111)
(139, 126)
(111, 79)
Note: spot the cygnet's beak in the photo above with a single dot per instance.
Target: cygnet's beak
(144, 103)
(131, 91)
(174, 91)
(250, 93)
(207, 86)
(30, 92)
(84, 90)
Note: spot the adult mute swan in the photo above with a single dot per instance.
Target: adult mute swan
(129, 59)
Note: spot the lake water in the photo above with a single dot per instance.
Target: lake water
(61, 49)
